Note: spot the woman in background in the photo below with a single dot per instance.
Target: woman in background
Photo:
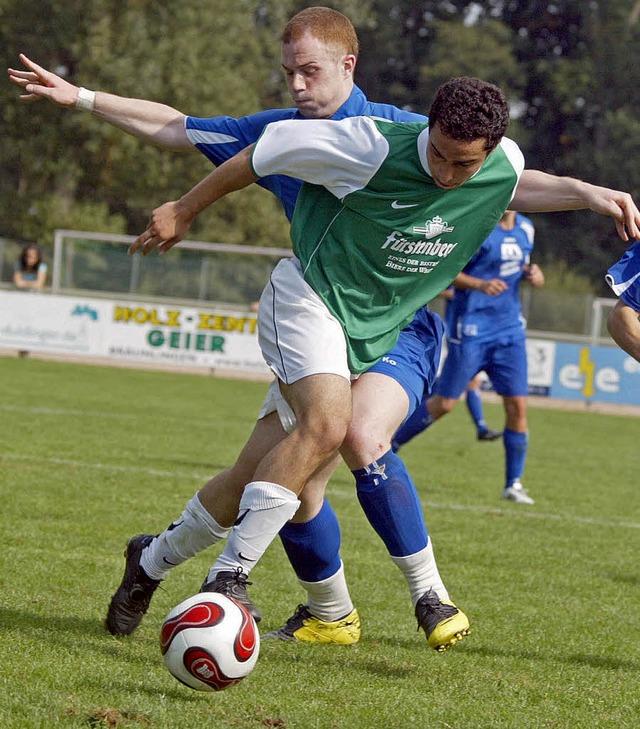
(30, 272)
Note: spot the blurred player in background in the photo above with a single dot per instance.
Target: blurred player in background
(623, 322)
(488, 333)
(319, 54)
(472, 399)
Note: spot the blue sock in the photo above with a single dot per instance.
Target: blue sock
(390, 501)
(313, 547)
(516, 446)
(419, 420)
(474, 406)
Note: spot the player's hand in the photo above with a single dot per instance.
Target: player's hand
(493, 286)
(167, 226)
(42, 84)
(533, 274)
(618, 205)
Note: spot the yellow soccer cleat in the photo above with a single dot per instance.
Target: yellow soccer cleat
(442, 622)
(305, 627)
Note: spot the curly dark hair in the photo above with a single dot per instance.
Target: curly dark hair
(467, 109)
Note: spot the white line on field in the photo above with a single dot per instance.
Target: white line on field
(64, 411)
(334, 491)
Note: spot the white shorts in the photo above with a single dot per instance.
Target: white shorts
(298, 336)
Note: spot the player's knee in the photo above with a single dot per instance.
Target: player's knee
(439, 406)
(364, 444)
(326, 431)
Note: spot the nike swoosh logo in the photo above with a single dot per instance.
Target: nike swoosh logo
(241, 517)
(399, 206)
(246, 559)
(166, 561)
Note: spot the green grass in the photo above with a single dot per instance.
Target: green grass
(90, 456)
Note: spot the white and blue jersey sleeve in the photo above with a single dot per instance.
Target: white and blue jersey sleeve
(222, 137)
(624, 277)
(340, 155)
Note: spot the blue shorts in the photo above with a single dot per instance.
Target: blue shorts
(415, 359)
(504, 360)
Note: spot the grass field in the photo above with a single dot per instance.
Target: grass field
(92, 455)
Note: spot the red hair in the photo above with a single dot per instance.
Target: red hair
(327, 25)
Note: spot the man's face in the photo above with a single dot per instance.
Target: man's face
(451, 163)
(319, 79)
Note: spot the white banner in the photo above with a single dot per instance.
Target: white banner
(122, 329)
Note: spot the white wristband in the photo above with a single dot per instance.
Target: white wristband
(86, 99)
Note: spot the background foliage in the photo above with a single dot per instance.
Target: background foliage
(564, 64)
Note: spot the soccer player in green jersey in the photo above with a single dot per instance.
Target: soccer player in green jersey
(391, 213)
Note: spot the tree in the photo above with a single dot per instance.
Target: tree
(204, 57)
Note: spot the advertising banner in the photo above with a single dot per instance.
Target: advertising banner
(219, 338)
(122, 329)
(598, 374)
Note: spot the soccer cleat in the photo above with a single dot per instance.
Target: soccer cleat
(131, 600)
(516, 492)
(442, 622)
(305, 627)
(233, 584)
(489, 434)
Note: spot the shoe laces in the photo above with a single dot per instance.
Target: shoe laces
(240, 578)
(301, 613)
(430, 608)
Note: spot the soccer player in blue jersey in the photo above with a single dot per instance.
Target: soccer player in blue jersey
(623, 322)
(487, 333)
(319, 54)
(473, 401)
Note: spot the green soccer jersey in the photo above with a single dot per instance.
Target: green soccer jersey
(376, 237)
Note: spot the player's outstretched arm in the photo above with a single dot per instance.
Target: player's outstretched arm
(538, 192)
(148, 120)
(623, 324)
(170, 222)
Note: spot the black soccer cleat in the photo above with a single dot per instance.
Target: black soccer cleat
(233, 584)
(131, 600)
(443, 624)
(489, 434)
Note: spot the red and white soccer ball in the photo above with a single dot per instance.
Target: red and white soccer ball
(209, 642)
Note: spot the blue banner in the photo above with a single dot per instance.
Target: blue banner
(599, 374)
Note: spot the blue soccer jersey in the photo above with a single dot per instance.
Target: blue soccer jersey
(222, 137)
(474, 314)
(624, 277)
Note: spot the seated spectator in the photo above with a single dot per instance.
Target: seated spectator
(30, 272)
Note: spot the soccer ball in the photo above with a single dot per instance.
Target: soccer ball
(209, 642)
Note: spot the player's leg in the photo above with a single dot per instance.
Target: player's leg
(382, 398)
(312, 543)
(320, 406)
(457, 370)
(205, 520)
(476, 411)
(508, 372)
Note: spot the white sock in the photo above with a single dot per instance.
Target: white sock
(421, 572)
(264, 509)
(194, 531)
(329, 599)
